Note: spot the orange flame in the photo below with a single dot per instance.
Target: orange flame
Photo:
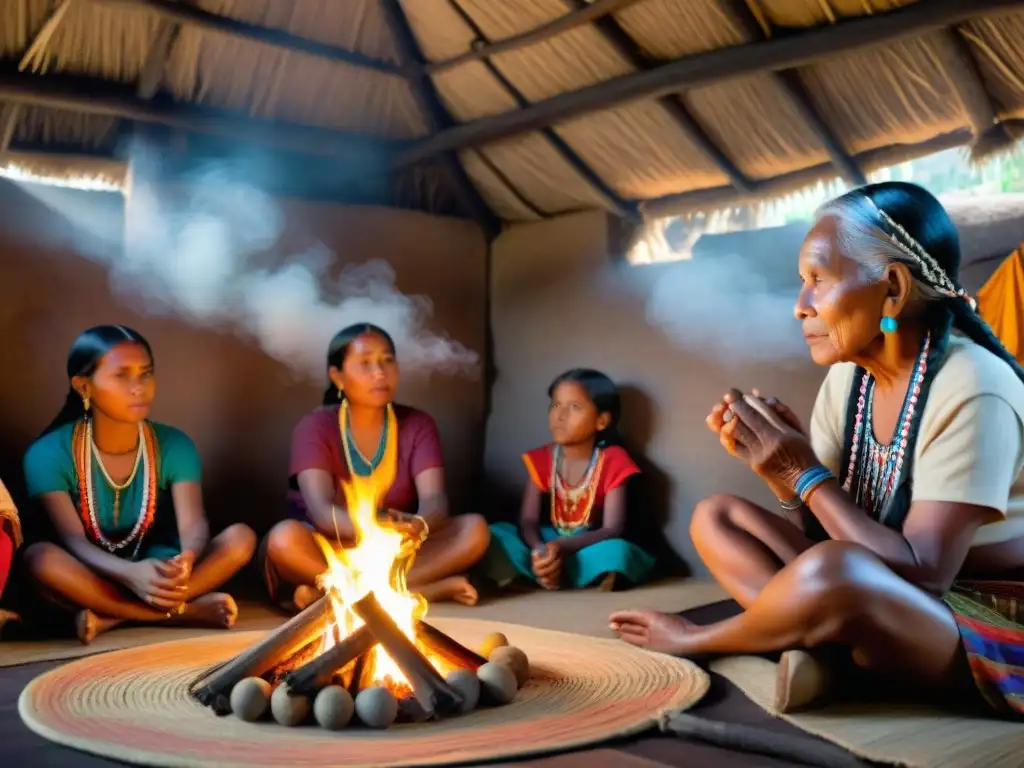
(378, 562)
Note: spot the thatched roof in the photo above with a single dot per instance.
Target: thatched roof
(529, 108)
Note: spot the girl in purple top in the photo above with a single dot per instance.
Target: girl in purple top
(363, 371)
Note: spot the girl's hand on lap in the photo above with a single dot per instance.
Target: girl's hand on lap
(147, 581)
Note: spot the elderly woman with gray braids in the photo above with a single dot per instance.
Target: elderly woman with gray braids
(900, 547)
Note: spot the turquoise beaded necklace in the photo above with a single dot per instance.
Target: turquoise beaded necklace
(360, 465)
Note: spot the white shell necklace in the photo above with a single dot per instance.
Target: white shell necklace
(141, 459)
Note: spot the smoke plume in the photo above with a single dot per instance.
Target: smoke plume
(202, 252)
(727, 307)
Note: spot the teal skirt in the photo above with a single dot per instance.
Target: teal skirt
(508, 558)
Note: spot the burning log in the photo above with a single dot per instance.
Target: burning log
(213, 687)
(433, 693)
(315, 674)
(452, 651)
(354, 683)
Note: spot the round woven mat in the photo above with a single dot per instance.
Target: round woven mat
(132, 705)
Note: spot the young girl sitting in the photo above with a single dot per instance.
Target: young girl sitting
(124, 498)
(583, 473)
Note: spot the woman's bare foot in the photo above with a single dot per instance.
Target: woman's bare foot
(88, 625)
(305, 595)
(217, 609)
(457, 588)
(660, 632)
(9, 622)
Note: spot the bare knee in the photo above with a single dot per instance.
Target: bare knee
(240, 542)
(833, 584)
(473, 534)
(43, 560)
(710, 515)
(285, 538)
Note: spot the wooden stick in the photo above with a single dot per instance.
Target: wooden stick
(450, 650)
(435, 695)
(213, 687)
(314, 675)
(358, 668)
(306, 654)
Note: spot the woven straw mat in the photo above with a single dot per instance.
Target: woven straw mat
(133, 705)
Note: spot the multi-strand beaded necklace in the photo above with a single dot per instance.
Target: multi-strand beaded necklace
(571, 505)
(146, 458)
(875, 470)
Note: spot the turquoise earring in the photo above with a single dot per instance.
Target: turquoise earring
(888, 324)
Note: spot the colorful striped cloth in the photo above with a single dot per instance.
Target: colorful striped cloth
(989, 615)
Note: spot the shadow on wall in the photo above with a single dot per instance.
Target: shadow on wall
(650, 495)
(237, 404)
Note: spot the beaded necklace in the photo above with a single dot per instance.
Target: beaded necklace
(875, 470)
(357, 463)
(84, 450)
(571, 505)
(379, 475)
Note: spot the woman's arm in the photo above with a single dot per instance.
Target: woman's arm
(433, 501)
(614, 524)
(193, 528)
(72, 534)
(529, 516)
(935, 540)
(319, 492)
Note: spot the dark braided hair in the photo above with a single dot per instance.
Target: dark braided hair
(868, 221)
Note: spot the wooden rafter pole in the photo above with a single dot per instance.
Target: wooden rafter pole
(702, 69)
(437, 117)
(182, 13)
(102, 98)
(612, 200)
(756, 26)
(557, 26)
(153, 69)
(721, 197)
(630, 50)
(966, 79)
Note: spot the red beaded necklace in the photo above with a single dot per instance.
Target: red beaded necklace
(82, 451)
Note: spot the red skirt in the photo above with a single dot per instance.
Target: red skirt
(6, 556)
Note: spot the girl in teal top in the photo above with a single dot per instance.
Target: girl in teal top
(123, 494)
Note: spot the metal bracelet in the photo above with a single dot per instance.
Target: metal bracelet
(791, 505)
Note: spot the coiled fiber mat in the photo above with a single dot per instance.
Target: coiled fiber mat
(133, 705)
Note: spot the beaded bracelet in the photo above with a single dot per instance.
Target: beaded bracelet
(809, 481)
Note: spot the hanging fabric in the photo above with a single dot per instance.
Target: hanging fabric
(1001, 303)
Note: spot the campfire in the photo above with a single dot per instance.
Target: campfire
(364, 648)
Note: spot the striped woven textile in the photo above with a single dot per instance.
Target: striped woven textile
(989, 615)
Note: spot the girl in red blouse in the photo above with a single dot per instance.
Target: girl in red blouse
(573, 512)
(349, 434)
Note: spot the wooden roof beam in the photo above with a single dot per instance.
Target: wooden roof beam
(701, 69)
(612, 200)
(155, 65)
(589, 12)
(631, 51)
(98, 97)
(437, 117)
(756, 27)
(182, 13)
(965, 76)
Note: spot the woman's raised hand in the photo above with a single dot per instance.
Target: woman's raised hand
(763, 438)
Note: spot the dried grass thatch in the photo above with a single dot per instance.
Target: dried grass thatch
(758, 135)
